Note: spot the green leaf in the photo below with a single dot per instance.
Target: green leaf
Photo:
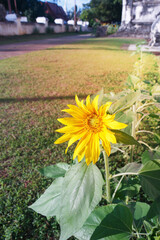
(117, 225)
(54, 171)
(129, 82)
(115, 147)
(139, 211)
(154, 211)
(157, 98)
(124, 138)
(153, 115)
(129, 187)
(49, 202)
(92, 222)
(150, 155)
(124, 102)
(81, 192)
(150, 178)
(131, 167)
(101, 95)
(125, 117)
(148, 227)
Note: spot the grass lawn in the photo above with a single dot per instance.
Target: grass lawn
(34, 89)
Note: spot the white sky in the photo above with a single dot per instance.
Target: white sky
(70, 3)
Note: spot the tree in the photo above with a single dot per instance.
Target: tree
(30, 8)
(102, 10)
(2, 13)
(34, 9)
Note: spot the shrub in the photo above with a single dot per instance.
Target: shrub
(35, 31)
(49, 30)
(112, 29)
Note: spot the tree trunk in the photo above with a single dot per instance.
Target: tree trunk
(15, 4)
(9, 6)
(75, 15)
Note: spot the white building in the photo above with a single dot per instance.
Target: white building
(138, 15)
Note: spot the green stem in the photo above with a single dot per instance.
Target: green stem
(133, 132)
(108, 191)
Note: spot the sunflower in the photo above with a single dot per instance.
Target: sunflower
(91, 126)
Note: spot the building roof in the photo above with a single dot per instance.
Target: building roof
(55, 11)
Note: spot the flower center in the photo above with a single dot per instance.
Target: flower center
(94, 123)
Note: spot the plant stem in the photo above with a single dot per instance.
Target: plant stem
(133, 131)
(123, 174)
(117, 188)
(108, 191)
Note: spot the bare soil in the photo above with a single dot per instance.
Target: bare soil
(15, 49)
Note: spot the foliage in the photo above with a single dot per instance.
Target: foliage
(105, 11)
(49, 30)
(33, 10)
(35, 31)
(112, 28)
(2, 13)
(30, 8)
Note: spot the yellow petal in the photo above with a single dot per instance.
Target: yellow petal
(88, 101)
(106, 145)
(66, 150)
(107, 106)
(76, 109)
(69, 129)
(70, 121)
(82, 143)
(88, 156)
(76, 138)
(63, 139)
(95, 103)
(104, 108)
(81, 105)
(88, 161)
(81, 154)
(116, 125)
(77, 101)
(109, 136)
(74, 113)
(96, 148)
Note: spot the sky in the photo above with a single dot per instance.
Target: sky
(70, 3)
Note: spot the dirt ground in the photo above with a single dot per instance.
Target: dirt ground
(15, 49)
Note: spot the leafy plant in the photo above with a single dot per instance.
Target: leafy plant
(112, 28)
(74, 196)
(77, 204)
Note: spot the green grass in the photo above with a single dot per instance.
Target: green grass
(34, 89)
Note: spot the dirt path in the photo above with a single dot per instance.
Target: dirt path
(15, 49)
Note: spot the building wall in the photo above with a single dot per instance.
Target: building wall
(13, 28)
(145, 11)
(139, 14)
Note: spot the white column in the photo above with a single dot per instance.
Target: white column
(126, 13)
(123, 18)
(129, 12)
